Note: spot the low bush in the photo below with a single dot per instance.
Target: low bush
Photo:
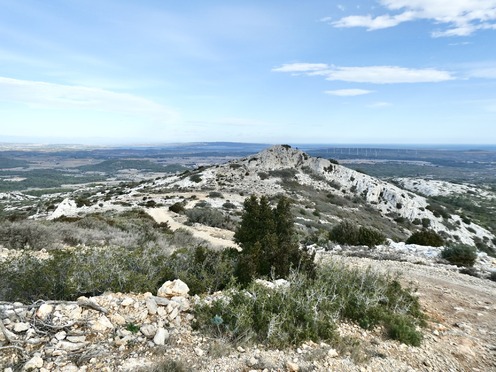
(210, 217)
(309, 309)
(460, 255)
(177, 207)
(426, 238)
(350, 234)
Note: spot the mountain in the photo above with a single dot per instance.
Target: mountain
(337, 192)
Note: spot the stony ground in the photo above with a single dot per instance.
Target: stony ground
(81, 337)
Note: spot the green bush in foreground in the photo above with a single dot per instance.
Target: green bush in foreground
(460, 255)
(309, 309)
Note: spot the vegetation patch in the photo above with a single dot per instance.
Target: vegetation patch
(460, 255)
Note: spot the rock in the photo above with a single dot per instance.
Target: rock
(198, 351)
(127, 301)
(240, 349)
(252, 362)
(151, 306)
(175, 288)
(44, 311)
(60, 335)
(161, 336)
(35, 362)
(117, 318)
(70, 346)
(160, 300)
(76, 339)
(148, 330)
(21, 327)
(332, 353)
(102, 324)
(173, 314)
(293, 367)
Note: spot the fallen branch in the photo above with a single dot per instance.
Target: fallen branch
(86, 302)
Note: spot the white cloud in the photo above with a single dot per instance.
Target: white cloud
(44, 95)
(301, 67)
(461, 17)
(369, 74)
(348, 92)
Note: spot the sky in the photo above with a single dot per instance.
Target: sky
(277, 71)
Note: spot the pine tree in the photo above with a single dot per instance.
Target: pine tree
(268, 239)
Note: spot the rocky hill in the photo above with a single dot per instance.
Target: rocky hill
(285, 170)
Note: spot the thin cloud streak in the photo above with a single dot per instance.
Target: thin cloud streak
(42, 95)
(368, 74)
(348, 92)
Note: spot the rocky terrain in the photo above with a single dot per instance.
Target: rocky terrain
(133, 331)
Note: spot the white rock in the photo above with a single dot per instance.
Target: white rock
(76, 339)
(332, 353)
(151, 306)
(69, 346)
(183, 302)
(161, 336)
(102, 324)
(175, 288)
(35, 362)
(117, 318)
(148, 330)
(60, 335)
(127, 301)
(21, 327)
(44, 311)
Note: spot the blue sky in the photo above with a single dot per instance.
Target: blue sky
(121, 71)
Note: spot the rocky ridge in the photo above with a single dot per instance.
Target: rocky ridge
(261, 174)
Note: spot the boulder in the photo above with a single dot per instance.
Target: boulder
(44, 311)
(161, 336)
(173, 288)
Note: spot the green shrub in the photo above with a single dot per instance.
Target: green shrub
(460, 255)
(195, 178)
(426, 237)
(210, 217)
(349, 234)
(177, 207)
(309, 309)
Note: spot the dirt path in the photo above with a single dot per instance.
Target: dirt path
(462, 315)
(215, 236)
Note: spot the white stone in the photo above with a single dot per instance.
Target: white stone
(44, 311)
(151, 306)
(175, 288)
(332, 353)
(21, 327)
(102, 324)
(148, 330)
(127, 301)
(76, 339)
(35, 362)
(117, 318)
(198, 351)
(161, 336)
(60, 335)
